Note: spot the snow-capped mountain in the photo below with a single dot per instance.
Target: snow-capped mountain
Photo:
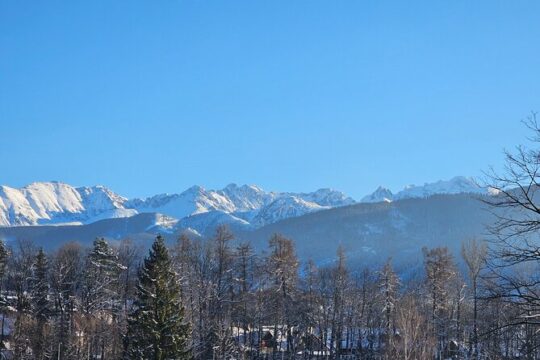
(245, 206)
(57, 203)
(194, 200)
(369, 232)
(381, 225)
(285, 207)
(456, 185)
(247, 197)
(326, 197)
(379, 195)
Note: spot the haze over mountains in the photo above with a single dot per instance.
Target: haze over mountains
(44, 203)
(381, 224)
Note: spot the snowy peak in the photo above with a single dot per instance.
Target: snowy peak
(194, 200)
(285, 207)
(59, 203)
(99, 198)
(241, 205)
(456, 185)
(247, 197)
(54, 202)
(379, 195)
(206, 200)
(52, 197)
(327, 197)
(15, 208)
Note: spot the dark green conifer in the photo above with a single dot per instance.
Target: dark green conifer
(156, 327)
(40, 304)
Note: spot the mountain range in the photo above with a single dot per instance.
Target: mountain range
(380, 225)
(57, 203)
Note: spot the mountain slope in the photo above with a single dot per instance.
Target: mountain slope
(285, 207)
(379, 195)
(242, 207)
(456, 185)
(58, 203)
(141, 228)
(374, 232)
(194, 200)
(369, 232)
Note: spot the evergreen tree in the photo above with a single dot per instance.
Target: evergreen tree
(156, 328)
(101, 300)
(100, 277)
(40, 304)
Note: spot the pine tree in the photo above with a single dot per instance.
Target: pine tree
(156, 328)
(40, 304)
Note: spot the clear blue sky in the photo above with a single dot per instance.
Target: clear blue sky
(155, 96)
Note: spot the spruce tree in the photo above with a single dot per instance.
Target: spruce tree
(101, 299)
(40, 304)
(100, 286)
(156, 327)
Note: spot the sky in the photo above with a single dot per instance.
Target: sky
(148, 97)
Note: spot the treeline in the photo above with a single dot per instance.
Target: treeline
(217, 299)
